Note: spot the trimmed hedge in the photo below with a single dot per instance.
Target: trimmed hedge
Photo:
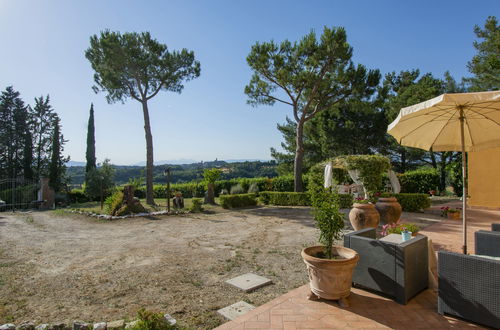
(300, 199)
(239, 200)
(419, 181)
(77, 196)
(411, 202)
(285, 198)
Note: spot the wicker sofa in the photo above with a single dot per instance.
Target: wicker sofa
(469, 285)
(396, 270)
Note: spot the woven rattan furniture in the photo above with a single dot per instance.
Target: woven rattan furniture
(495, 226)
(398, 270)
(487, 243)
(469, 287)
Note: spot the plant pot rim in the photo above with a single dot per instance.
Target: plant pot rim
(306, 254)
(387, 199)
(363, 205)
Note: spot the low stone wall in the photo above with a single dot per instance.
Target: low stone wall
(79, 325)
(113, 217)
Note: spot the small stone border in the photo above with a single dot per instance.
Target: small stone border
(136, 215)
(79, 325)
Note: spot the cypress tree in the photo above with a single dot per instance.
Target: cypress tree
(90, 154)
(55, 175)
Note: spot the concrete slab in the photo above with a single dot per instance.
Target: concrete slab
(233, 311)
(249, 282)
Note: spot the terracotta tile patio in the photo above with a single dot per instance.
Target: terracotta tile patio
(367, 310)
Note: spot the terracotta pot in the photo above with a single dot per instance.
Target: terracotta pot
(389, 209)
(453, 215)
(364, 216)
(330, 278)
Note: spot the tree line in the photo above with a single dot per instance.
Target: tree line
(31, 141)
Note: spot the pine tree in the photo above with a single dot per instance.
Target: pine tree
(90, 154)
(43, 118)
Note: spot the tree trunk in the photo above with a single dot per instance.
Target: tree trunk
(211, 193)
(299, 157)
(442, 172)
(149, 155)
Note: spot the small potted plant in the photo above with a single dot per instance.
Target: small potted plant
(398, 228)
(451, 213)
(330, 266)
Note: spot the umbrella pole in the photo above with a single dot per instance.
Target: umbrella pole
(464, 183)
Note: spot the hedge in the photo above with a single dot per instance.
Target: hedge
(411, 202)
(419, 181)
(300, 199)
(285, 198)
(238, 200)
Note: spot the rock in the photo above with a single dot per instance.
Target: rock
(59, 326)
(131, 324)
(26, 326)
(169, 319)
(115, 325)
(8, 326)
(79, 325)
(44, 326)
(100, 326)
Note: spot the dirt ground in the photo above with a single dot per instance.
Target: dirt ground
(59, 267)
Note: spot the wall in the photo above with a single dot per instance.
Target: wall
(484, 178)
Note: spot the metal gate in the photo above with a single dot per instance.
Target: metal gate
(17, 194)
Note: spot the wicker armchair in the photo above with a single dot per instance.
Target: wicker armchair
(396, 270)
(487, 242)
(495, 226)
(469, 287)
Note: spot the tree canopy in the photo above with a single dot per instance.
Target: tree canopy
(310, 75)
(134, 65)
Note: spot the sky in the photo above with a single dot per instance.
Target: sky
(43, 45)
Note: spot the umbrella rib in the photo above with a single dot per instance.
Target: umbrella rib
(442, 128)
(484, 116)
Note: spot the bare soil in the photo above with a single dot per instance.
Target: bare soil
(59, 267)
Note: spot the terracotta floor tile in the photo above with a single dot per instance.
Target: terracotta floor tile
(257, 325)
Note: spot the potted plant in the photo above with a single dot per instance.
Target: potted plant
(451, 213)
(399, 228)
(364, 214)
(330, 267)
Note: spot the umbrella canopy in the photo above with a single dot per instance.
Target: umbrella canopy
(436, 123)
(451, 122)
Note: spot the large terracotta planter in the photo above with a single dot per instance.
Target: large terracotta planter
(454, 215)
(389, 209)
(330, 278)
(364, 216)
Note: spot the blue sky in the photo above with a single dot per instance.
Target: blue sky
(43, 44)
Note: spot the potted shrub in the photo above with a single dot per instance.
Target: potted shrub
(330, 267)
(451, 213)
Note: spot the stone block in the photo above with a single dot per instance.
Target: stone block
(233, 311)
(116, 325)
(249, 282)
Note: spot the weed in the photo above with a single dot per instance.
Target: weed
(147, 320)
(29, 219)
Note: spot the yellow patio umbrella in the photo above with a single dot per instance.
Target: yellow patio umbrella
(451, 122)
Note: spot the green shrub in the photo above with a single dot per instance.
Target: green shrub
(196, 206)
(114, 202)
(283, 183)
(411, 202)
(345, 200)
(253, 189)
(77, 196)
(147, 320)
(419, 181)
(237, 189)
(239, 200)
(285, 198)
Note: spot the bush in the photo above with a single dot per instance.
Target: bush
(114, 202)
(345, 200)
(147, 320)
(253, 189)
(237, 189)
(239, 200)
(411, 202)
(419, 181)
(285, 198)
(283, 183)
(196, 206)
(77, 196)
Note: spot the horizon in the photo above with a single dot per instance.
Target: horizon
(210, 118)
